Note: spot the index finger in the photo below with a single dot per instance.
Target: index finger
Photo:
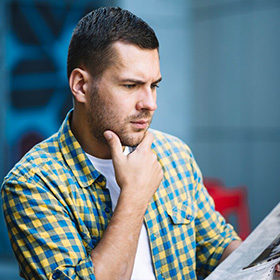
(114, 144)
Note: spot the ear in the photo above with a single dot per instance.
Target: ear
(79, 83)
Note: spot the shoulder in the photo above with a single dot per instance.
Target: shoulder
(173, 151)
(175, 155)
(165, 141)
(42, 156)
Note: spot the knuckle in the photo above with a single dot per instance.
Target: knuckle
(160, 171)
(154, 156)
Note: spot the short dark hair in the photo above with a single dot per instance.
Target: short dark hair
(91, 41)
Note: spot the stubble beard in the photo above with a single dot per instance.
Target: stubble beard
(101, 117)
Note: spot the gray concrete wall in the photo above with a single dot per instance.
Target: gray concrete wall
(220, 92)
(172, 23)
(236, 129)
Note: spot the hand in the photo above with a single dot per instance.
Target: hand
(139, 173)
(277, 269)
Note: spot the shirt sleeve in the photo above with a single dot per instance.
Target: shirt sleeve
(44, 238)
(213, 234)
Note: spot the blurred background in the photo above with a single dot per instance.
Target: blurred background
(220, 92)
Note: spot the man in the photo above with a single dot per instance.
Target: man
(104, 198)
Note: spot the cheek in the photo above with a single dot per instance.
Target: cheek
(114, 113)
(116, 105)
(123, 108)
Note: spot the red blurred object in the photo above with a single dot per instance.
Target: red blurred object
(231, 201)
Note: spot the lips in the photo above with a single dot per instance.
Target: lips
(140, 124)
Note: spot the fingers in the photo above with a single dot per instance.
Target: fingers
(114, 144)
(277, 269)
(146, 142)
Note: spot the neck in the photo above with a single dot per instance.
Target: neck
(88, 142)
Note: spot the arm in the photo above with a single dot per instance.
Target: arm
(46, 239)
(43, 234)
(229, 249)
(138, 176)
(213, 234)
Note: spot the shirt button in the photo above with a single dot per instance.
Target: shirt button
(107, 210)
(189, 216)
(153, 237)
(55, 275)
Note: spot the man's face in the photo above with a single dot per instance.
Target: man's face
(124, 98)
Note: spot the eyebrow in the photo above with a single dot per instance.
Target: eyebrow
(158, 80)
(139, 82)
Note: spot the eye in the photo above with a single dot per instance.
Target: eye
(129, 86)
(154, 86)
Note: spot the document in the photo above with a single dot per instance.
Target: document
(257, 256)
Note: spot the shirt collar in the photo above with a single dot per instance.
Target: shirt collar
(76, 157)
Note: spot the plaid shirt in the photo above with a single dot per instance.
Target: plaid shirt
(57, 208)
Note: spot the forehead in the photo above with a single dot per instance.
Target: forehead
(130, 60)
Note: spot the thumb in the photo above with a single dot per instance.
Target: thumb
(114, 144)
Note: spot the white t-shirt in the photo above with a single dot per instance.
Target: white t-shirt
(143, 267)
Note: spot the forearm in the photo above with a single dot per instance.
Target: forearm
(230, 248)
(138, 176)
(113, 258)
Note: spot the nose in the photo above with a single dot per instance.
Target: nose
(147, 100)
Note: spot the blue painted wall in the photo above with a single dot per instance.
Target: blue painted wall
(34, 37)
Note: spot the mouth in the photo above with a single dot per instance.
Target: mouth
(140, 124)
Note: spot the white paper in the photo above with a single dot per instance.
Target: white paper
(257, 256)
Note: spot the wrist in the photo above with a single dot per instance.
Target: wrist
(132, 203)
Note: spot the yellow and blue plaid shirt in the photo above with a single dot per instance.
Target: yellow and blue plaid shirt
(57, 207)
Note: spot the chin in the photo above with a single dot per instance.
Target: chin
(133, 141)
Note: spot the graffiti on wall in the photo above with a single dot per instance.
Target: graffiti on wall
(37, 45)
(39, 97)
